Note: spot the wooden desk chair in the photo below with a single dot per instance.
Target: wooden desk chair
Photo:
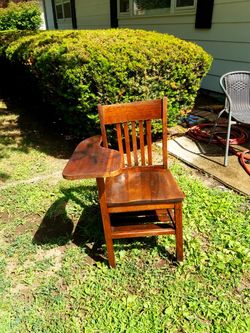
(130, 183)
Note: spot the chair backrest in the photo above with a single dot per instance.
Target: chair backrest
(133, 124)
(236, 86)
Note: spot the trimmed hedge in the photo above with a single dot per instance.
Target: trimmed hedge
(76, 70)
(21, 16)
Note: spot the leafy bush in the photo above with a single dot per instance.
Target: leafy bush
(76, 70)
(20, 16)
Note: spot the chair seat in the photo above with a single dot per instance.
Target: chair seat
(243, 117)
(142, 185)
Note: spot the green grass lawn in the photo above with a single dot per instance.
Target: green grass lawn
(53, 273)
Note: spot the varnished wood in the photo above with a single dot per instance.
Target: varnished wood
(106, 221)
(127, 143)
(90, 160)
(142, 230)
(149, 141)
(132, 188)
(119, 139)
(126, 112)
(138, 208)
(178, 231)
(141, 132)
(103, 130)
(141, 186)
(164, 132)
(134, 141)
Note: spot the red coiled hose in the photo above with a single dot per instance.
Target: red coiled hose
(238, 136)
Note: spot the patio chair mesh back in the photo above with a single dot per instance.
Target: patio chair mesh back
(236, 86)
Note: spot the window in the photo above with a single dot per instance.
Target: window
(152, 4)
(124, 6)
(184, 3)
(63, 9)
(148, 7)
(154, 7)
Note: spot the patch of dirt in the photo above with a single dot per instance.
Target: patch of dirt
(26, 291)
(5, 218)
(244, 284)
(31, 222)
(23, 291)
(54, 178)
(55, 254)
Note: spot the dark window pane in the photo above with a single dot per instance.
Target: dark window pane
(152, 4)
(124, 6)
(67, 10)
(184, 3)
(59, 11)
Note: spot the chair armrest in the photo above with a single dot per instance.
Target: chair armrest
(90, 160)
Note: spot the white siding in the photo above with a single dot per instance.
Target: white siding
(43, 24)
(93, 14)
(228, 40)
(64, 24)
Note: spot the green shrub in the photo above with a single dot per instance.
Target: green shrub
(9, 36)
(20, 16)
(76, 70)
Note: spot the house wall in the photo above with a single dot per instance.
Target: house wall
(64, 24)
(48, 13)
(43, 23)
(93, 14)
(228, 40)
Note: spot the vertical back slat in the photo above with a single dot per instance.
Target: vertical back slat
(119, 138)
(137, 112)
(134, 143)
(127, 143)
(164, 132)
(103, 129)
(141, 131)
(149, 141)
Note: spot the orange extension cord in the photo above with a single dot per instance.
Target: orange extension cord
(201, 132)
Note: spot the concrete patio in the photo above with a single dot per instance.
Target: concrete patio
(209, 158)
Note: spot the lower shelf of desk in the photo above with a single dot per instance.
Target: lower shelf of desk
(142, 230)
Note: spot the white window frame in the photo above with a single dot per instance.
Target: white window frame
(62, 2)
(174, 10)
(125, 14)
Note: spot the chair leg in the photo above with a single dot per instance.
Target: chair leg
(178, 231)
(227, 142)
(109, 240)
(106, 221)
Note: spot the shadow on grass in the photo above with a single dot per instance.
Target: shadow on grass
(58, 229)
(4, 176)
(56, 226)
(37, 126)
